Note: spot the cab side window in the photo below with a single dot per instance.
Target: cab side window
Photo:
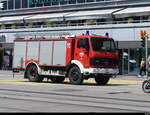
(83, 43)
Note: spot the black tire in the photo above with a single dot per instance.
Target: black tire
(146, 86)
(102, 79)
(57, 79)
(75, 76)
(32, 74)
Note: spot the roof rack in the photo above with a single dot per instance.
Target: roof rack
(36, 36)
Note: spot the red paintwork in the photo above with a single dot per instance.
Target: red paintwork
(52, 66)
(70, 50)
(31, 61)
(87, 55)
(74, 53)
(81, 54)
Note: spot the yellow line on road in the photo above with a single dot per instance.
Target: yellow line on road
(112, 81)
(18, 82)
(116, 81)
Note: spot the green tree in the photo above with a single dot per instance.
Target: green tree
(2, 26)
(13, 26)
(30, 25)
(148, 19)
(49, 24)
(130, 20)
(109, 20)
(69, 22)
(91, 21)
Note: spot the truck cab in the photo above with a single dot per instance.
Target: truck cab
(96, 56)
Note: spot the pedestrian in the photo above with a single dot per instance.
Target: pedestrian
(142, 68)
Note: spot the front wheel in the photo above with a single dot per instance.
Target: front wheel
(75, 76)
(146, 86)
(102, 79)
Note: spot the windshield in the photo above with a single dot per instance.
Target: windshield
(103, 44)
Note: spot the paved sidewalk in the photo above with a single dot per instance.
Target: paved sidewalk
(130, 77)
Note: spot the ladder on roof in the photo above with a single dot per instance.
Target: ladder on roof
(34, 36)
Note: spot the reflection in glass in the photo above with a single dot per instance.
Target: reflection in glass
(17, 4)
(102, 44)
(24, 3)
(10, 4)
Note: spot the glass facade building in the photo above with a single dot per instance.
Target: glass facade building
(19, 4)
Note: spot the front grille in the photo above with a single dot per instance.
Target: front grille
(103, 62)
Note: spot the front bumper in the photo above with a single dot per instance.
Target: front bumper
(112, 71)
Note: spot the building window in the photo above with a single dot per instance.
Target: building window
(24, 3)
(100, 0)
(72, 1)
(17, 4)
(90, 0)
(134, 60)
(32, 4)
(80, 1)
(63, 2)
(39, 5)
(47, 4)
(4, 5)
(55, 3)
(10, 4)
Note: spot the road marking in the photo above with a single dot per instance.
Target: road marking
(112, 81)
(125, 81)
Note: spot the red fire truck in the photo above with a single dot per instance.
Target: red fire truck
(78, 58)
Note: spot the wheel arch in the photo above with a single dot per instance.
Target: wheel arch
(78, 64)
(75, 63)
(29, 65)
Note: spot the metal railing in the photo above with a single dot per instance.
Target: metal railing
(76, 24)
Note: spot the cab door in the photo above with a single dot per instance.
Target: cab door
(82, 51)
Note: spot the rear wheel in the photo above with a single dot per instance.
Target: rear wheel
(102, 79)
(57, 79)
(32, 74)
(146, 86)
(75, 76)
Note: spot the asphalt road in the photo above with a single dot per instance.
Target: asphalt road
(122, 94)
